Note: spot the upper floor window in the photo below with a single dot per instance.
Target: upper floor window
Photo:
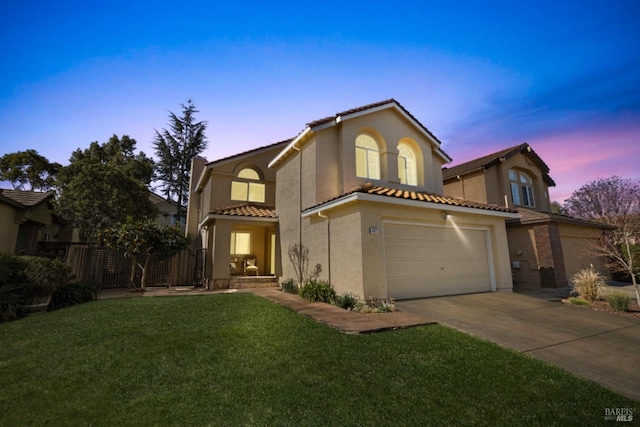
(407, 167)
(521, 188)
(247, 187)
(367, 157)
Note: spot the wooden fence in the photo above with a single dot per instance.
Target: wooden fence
(107, 268)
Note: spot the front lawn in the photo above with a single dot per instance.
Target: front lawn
(240, 360)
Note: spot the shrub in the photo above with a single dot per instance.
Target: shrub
(588, 284)
(72, 294)
(318, 291)
(290, 286)
(577, 301)
(619, 301)
(347, 301)
(45, 275)
(375, 305)
(13, 282)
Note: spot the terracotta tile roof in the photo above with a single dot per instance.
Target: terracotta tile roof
(485, 162)
(329, 119)
(26, 198)
(530, 216)
(247, 209)
(417, 196)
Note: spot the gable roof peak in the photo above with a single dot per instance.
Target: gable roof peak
(337, 118)
(485, 162)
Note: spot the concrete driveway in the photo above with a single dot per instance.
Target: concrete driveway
(602, 347)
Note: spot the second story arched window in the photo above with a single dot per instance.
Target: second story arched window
(367, 157)
(407, 165)
(247, 187)
(521, 188)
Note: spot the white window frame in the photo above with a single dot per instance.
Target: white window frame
(368, 151)
(407, 164)
(250, 189)
(522, 193)
(234, 242)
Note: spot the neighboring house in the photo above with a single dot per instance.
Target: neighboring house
(363, 191)
(167, 210)
(26, 218)
(546, 249)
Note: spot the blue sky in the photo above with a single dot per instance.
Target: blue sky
(482, 76)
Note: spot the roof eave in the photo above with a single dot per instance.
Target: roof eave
(290, 147)
(404, 202)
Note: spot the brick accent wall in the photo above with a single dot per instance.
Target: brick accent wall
(550, 257)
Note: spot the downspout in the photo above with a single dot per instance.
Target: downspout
(299, 193)
(322, 215)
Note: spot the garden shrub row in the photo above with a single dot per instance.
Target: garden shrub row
(322, 291)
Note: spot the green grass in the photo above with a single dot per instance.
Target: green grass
(241, 360)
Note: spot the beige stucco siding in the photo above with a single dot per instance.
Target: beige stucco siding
(358, 251)
(578, 247)
(523, 163)
(493, 185)
(522, 249)
(388, 128)
(288, 209)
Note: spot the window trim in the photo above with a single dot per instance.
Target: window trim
(233, 243)
(246, 184)
(406, 165)
(370, 156)
(522, 188)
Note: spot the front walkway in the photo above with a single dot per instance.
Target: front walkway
(343, 320)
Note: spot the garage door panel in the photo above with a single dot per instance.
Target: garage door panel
(429, 261)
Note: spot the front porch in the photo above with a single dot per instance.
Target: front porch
(242, 282)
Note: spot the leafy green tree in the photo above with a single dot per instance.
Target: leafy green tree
(140, 240)
(103, 185)
(175, 148)
(28, 170)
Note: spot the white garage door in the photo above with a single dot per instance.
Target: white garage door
(425, 261)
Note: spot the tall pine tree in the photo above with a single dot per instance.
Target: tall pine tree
(175, 147)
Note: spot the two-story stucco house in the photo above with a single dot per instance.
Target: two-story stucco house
(363, 190)
(546, 249)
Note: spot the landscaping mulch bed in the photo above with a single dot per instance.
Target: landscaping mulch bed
(634, 308)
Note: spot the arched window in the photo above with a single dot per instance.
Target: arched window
(367, 157)
(407, 166)
(247, 187)
(521, 188)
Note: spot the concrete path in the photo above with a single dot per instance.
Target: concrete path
(343, 320)
(602, 347)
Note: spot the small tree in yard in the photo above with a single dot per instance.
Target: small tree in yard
(299, 257)
(614, 201)
(140, 240)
